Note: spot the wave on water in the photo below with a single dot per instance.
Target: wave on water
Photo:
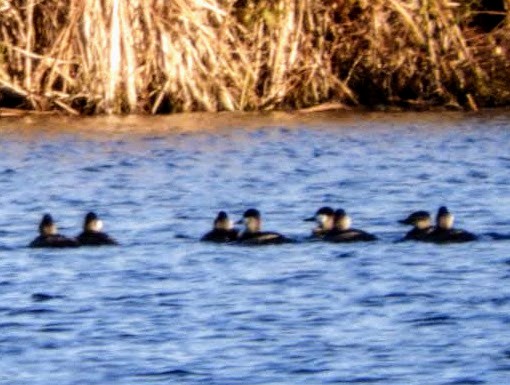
(165, 308)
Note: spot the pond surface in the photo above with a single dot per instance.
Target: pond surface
(164, 308)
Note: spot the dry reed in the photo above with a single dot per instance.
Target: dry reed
(118, 56)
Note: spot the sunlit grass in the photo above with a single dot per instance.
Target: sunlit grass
(153, 56)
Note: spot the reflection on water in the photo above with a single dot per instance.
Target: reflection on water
(164, 308)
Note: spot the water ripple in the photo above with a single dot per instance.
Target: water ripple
(165, 308)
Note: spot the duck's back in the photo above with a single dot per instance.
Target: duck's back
(220, 236)
(351, 235)
(417, 234)
(263, 238)
(451, 236)
(319, 234)
(95, 238)
(53, 241)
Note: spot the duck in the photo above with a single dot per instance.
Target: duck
(92, 234)
(252, 234)
(223, 230)
(444, 232)
(49, 236)
(422, 226)
(324, 217)
(342, 231)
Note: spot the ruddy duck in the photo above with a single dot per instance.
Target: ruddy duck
(252, 235)
(342, 231)
(325, 219)
(223, 230)
(49, 237)
(444, 231)
(92, 234)
(422, 226)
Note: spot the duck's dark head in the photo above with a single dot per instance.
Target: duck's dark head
(92, 222)
(47, 226)
(324, 218)
(222, 221)
(444, 219)
(342, 220)
(252, 220)
(418, 219)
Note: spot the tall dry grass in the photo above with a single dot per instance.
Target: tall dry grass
(119, 56)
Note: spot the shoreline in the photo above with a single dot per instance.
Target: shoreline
(142, 125)
(328, 107)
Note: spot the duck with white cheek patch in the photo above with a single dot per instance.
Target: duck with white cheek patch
(342, 231)
(49, 236)
(92, 234)
(444, 232)
(253, 235)
(325, 219)
(223, 230)
(422, 226)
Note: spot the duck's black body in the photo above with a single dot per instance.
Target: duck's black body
(422, 226)
(221, 236)
(262, 238)
(318, 234)
(444, 231)
(439, 235)
(222, 231)
(95, 238)
(48, 236)
(53, 241)
(417, 234)
(350, 235)
(253, 235)
(342, 231)
(92, 234)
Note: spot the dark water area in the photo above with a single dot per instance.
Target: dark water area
(164, 308)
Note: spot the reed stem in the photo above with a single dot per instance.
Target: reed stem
(154, 56)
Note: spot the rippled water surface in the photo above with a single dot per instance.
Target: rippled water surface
(163, 308)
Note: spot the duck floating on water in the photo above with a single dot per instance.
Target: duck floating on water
(422, 226)
(332, 226)
(325, 219)
(342, 231)
(444, 232)
(252, 234)
(49, 236)
(223, 230)
(92, 234)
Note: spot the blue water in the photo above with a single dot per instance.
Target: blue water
(163, 308)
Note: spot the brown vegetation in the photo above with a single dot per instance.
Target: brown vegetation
(155, 56)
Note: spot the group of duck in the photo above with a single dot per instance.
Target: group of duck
(91, 235)
(335, 226)
(331, 226)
